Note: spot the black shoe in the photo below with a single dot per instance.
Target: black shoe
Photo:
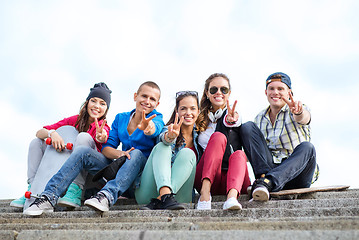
(261, 189)
(170, 203)
(153, 205)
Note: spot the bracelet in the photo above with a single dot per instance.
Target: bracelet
(297, 114)
(49, 132)
(168, 138)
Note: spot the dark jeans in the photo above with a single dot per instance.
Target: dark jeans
(294, 172)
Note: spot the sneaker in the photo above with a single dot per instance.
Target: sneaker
(232, 204)
(72, 197)
(98, 202)
(20, 202)
(204, 205)
(169, 202)
(39, 206)
(261, 188)
(152, 205)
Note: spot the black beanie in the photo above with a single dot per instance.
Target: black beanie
(101, 90)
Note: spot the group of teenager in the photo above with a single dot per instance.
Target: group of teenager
(204, 147)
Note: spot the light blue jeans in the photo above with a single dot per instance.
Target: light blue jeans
(86, 158)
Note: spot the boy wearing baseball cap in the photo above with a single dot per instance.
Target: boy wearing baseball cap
(278, 144)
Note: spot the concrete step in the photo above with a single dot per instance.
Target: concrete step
(194, 235)
(323, 215)
(191, 224)
(250, 213)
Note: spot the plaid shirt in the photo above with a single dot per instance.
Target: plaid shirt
(285, 135)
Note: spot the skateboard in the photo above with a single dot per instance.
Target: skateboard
(51, 163)
(302, 192)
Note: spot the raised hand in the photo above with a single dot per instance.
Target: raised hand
(101, 134)
(174, 128)
(147, 125)
(232, 115)
(296, 107)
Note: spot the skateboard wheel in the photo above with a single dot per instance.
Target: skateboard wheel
(69, 146)
(48, 141)
(28, 194)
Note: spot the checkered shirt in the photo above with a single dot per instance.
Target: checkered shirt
(284, 135)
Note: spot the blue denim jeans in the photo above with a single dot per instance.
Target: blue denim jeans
(91, 160)
(294, 172)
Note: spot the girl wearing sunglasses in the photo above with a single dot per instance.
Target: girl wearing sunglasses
(168, 176)
(222, 168)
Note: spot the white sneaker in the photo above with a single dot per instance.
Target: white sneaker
(232, 204)
(260, 194)
(204, 205)
(39, 206)
(98, 202)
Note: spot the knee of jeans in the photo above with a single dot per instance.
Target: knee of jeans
(36, 142)
(190, 155)
(307, 146)
(81, 149)
(138, 155)
(239, 154)
(247, 128)
(161, 146)
(83, 138)
(219, 137)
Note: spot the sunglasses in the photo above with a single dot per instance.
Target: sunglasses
(213, 90)
(191, 93)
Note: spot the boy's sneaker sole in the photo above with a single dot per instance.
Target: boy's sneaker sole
(261, 194)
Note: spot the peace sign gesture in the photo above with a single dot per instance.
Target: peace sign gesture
(174, 128)
(232, 115)
(101, 134)
(296, 107)
(147, 125)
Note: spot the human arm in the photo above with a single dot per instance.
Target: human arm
(113, 153)
(56, 140)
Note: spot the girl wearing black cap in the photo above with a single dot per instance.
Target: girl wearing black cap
(93, 131)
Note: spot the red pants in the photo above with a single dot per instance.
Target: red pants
(210, 166)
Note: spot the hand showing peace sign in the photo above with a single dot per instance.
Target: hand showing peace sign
(232, 115)
(296, 107)
(147, 125)
(101, 134)
(174, 128)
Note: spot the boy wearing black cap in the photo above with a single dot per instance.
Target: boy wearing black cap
(278, 144)
(136, 130)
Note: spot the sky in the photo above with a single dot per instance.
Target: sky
(53, 52)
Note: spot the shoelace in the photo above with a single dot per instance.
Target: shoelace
(39, 201)
(99, 196)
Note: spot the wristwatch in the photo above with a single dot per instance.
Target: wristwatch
(49, 132)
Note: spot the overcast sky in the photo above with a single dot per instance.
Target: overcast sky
(52, 53)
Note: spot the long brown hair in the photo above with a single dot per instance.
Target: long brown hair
(179, 98)
(205, 104)
(82, 120)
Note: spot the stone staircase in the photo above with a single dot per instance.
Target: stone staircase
(321, 215)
